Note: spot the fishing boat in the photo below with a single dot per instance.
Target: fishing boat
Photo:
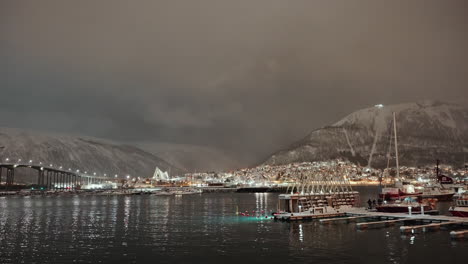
(406, 205)
(404, 197)
(460, 192)
(441, 190)
(460, 207)
(400, 191)
(437, 192)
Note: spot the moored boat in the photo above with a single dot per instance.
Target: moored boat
(400, 191)
(460, 207)
(407, 204)
(438, 192)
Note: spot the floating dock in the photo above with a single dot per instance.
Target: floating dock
(383, 223)
(427, 227)
(366, 219)
(348, 219)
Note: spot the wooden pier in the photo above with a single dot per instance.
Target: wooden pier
(422, 217)
(426, 222)
(411, 223)
(383, 223)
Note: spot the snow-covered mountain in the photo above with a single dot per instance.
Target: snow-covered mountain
(78, 152)
(427, 131)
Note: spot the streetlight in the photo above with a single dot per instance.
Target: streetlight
(7, 159)
(115, 176)
(30, 161)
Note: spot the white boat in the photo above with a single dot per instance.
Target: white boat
(460, 192)
(438, 192)
(460, 207)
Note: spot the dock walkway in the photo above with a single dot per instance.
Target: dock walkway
(424, 218)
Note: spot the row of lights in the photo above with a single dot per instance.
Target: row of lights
(69, 169)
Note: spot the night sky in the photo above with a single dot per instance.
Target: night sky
(248, 77)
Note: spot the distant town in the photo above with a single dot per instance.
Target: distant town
(282, 175)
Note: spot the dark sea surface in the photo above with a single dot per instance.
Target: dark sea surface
(198, 229)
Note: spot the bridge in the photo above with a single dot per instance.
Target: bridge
(48, 177)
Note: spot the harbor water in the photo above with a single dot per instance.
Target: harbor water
(200, 228)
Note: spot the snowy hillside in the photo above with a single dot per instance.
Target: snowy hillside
(76, 152)
(427, 131)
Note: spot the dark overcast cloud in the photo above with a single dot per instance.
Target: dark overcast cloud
(249, 76)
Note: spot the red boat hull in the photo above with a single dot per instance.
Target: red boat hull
(459, 213)
(401, 209)
(401, 195)
(441, 197)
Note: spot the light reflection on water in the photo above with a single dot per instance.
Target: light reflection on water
(194, 228)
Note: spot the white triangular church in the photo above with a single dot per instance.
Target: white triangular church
(159, 175)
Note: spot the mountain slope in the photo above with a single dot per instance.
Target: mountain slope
(77, 152)
(426, 131)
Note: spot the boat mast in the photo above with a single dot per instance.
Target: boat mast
(396, 146)
(389, 150)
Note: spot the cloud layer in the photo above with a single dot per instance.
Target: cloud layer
(248, 77)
